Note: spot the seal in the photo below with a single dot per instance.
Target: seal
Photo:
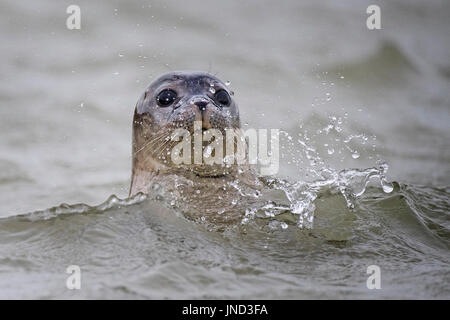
(174, 101)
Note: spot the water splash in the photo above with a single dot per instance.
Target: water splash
(350, 183)
(66, 209)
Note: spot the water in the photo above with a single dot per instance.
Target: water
(364, 176)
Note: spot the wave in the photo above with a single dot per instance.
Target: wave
(138, 247)
(388, 66)
(65, 209)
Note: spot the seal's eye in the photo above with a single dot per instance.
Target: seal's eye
(166, 97)
(222, 97)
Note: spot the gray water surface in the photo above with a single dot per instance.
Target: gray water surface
(346, 98)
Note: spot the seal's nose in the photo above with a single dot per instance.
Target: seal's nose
(200, 101)
(201, 105)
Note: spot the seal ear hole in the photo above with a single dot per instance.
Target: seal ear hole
(222, 97)
(166, 97)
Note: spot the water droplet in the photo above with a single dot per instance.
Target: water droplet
(212, 90)
(330, 151)
(355, 155)
(227, 83)
(387, 186)
(284, 225)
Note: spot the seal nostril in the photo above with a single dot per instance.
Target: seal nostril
(201, 105)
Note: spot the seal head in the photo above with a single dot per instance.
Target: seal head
(178, 100)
